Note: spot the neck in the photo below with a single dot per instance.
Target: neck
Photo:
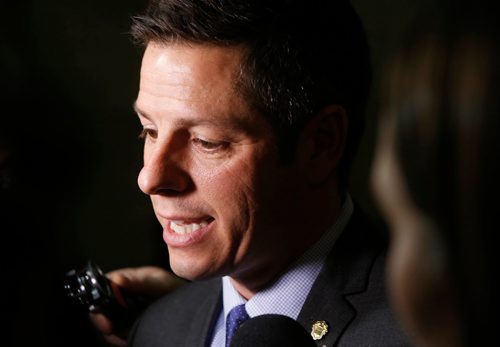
(294, 242)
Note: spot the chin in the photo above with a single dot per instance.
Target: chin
(190, 270)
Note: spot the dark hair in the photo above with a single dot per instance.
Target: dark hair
(445, 97)
(300, 57)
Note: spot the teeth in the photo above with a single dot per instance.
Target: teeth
(182, 228)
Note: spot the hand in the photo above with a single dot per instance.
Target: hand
(149, 281)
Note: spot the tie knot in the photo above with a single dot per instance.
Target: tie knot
(235, 318)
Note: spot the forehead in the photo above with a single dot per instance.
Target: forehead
(180, 76)
(190, 67)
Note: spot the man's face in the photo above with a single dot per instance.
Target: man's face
(211, 165)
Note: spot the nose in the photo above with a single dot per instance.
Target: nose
(163, 173)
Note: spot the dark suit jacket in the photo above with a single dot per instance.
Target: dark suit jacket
(349, 294)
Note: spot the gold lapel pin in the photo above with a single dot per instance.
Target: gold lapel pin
(319, 330)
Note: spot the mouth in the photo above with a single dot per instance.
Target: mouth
(188, 227)
(179, 233)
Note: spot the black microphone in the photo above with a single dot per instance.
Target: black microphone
(271, 330)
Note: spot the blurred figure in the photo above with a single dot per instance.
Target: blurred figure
(436, 178)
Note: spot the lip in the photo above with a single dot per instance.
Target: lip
(173, 239)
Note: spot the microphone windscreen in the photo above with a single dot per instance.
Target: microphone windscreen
(271, 330)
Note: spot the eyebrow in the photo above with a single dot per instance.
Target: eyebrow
(232, 123)
(138, 111)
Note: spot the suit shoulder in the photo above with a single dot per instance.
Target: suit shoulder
(188, 309)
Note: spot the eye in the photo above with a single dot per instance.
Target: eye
(148, 133)
(209, 146)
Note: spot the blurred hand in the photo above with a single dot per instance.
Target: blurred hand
(148, 281)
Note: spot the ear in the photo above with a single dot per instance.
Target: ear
(322, 143)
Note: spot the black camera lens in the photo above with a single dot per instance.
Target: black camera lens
(94, 291)
(89, 286)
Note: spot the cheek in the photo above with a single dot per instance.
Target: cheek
(225, 184)
(229, 190)
(241, 176)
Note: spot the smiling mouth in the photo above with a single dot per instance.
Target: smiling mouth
(182, 227)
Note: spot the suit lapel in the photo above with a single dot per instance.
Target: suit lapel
(345, 273)
(200, 331)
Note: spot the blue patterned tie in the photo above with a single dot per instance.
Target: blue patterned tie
(235, 318)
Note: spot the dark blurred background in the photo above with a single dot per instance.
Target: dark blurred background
(69, 154)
